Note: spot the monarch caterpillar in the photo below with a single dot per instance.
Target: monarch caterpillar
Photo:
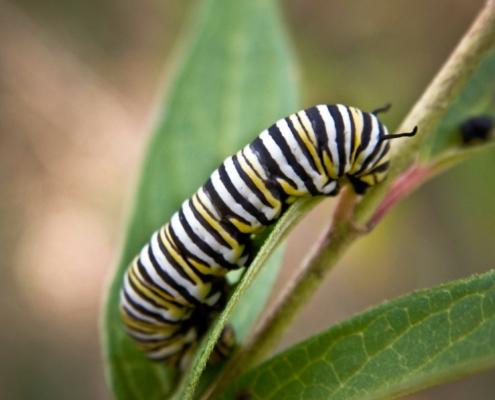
(176, 284)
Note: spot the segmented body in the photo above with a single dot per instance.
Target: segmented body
(176, 284)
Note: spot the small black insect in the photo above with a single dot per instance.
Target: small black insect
(476, 128)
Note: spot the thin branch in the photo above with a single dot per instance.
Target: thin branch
(418, 174)
(437, 98)
(402, 187)
(344, 230)
(324, 254)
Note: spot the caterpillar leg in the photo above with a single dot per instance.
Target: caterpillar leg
(224, 346)
(358, 185)
(222, 350)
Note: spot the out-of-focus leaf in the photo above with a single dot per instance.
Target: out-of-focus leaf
(399, 347)
(477, 98)
(234, 79)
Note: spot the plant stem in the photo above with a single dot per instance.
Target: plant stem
(324, 255)
(402, 187)
(418, 174)
(437, 98)
(344, 230)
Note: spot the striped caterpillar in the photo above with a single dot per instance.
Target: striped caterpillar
(176, 285)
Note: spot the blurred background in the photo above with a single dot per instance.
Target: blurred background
(77, 83)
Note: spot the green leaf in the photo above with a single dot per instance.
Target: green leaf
(399, 347)
(476, 98)
(235, 77)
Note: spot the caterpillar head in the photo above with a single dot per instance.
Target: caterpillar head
(374, 170)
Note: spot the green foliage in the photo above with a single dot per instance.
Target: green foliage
(476, 98)
(401, 346)
(234, 78)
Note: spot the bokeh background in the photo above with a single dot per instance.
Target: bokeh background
(78, 81)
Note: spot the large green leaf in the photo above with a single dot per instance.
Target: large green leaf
(396, 348)
(235, 78)
(476, 98)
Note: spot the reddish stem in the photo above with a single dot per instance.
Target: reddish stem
(402, 187)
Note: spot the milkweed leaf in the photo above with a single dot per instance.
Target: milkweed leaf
(399, 347)
(234, 78)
